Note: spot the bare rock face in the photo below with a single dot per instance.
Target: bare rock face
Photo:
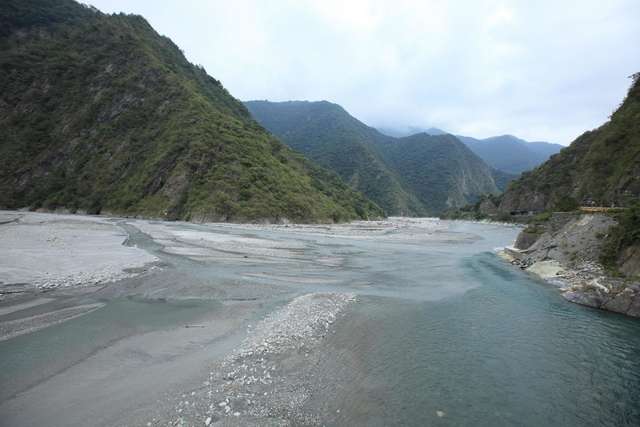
(590, 299)
(621, 303)
(619, 299)
(634, 308)
(574, 243)
(526, 239)
(629, 261)
(573, 240)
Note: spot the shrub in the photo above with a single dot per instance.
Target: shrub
(626, 233)
(566, 204)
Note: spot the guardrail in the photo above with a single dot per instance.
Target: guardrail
(595, 209)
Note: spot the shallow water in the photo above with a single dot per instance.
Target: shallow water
(443, 332)
(508, 352)
(29, 359)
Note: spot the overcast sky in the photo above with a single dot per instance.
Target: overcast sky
(541, 70)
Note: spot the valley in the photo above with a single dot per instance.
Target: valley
(173, 256)
(262, 324)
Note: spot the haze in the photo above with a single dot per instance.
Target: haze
(541, 71)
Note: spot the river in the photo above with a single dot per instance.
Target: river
(438, 330)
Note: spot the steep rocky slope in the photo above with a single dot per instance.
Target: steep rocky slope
(568, 249)
(100, 113)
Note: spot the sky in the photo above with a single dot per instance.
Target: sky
(542, 70)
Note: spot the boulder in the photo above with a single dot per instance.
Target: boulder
(621, 302)
(590, 298)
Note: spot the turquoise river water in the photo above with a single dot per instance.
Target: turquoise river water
(443, 332)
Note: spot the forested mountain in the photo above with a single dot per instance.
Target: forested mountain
(440, 170)
(328, 135)
(510, 154)
(416, 175)
(601, 167)
(100, 113)
(505, 153)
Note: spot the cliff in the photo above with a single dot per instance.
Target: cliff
(568, 250)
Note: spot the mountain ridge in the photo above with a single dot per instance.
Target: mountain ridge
(506, 153)
(307, 125)
(332, 137)
(100, 113)
(602, 166)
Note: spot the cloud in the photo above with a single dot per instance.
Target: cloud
(544, 70)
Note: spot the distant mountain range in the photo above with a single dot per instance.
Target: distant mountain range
(506, 153)
(99, 113)
(415, 175)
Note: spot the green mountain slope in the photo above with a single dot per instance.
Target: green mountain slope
(418, 176)
(439, 170)
(505, 153)
(328, 135)
(510, 154)
(100, 113)
(601, 166)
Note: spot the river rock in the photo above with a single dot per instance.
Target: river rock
(590, 298)
(621, 302)
(546, 269)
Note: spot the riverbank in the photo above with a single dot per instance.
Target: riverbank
(566, 251)
(48, 251)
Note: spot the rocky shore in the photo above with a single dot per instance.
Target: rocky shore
(264, 378)
(565, 251)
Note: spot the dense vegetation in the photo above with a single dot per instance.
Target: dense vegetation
(626, 234)
(439, 170)
(99, 113)
(328, 135)
(601, 167)
(510, 154)
(506, 153)
(416, 175)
